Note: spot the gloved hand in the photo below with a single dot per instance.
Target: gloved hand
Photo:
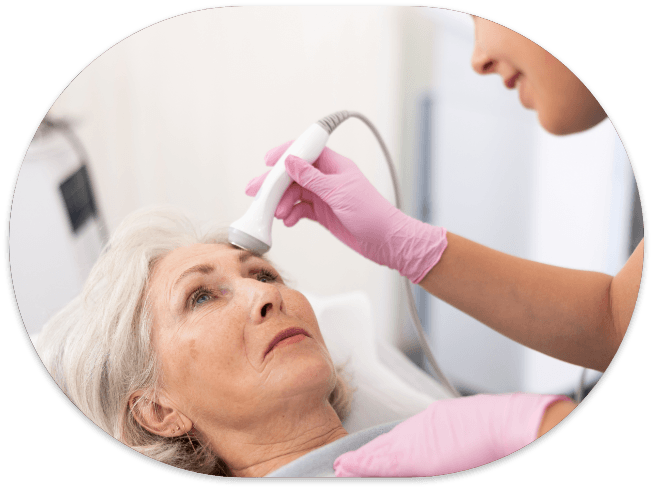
(335, 193)
(449, 436)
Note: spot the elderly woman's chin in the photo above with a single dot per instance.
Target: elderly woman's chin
(302, 367)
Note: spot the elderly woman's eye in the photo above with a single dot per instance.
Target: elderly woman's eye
(265, 275)
(202, 295)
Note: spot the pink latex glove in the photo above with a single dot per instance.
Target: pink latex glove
(449, 436)
(335, 193)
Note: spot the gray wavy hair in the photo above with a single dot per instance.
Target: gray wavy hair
(98, 347)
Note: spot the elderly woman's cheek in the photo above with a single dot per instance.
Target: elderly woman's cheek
(189, 343)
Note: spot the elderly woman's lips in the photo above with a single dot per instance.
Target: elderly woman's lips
(287, 336)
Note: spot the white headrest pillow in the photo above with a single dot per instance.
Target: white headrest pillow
(388, 385)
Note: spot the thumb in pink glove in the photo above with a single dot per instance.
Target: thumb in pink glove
(449, 436)
(334, 192)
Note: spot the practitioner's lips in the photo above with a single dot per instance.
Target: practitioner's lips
(511, 82)
(284, 334)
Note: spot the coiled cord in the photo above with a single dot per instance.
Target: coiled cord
(330, 123)
(334, 120)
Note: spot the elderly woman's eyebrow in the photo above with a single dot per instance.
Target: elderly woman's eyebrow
(197, 269)
(245, 255)
(207, 269)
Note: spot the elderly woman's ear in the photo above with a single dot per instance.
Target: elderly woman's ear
(159, 416)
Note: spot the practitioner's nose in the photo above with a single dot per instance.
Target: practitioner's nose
(481, 62)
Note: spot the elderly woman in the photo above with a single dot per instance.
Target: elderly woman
(197, 354)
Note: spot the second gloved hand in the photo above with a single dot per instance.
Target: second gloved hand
(450, 436)
(334, 192)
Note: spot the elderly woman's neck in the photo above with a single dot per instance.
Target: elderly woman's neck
(255, 453)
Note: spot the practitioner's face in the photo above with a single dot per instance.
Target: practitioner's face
(216, 311)
(563, 104)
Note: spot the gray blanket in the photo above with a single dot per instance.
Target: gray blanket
(319, 463)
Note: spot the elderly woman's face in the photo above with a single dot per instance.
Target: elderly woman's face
(220, 317)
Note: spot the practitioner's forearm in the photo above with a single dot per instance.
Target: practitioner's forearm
(561, 312)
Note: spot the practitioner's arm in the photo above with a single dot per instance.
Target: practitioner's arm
(554, 415)
(576, 316)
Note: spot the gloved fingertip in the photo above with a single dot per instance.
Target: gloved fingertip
(254, 185)
(340, 469)
(252, 188)
(293, 159)
(269, 158)
(348, 466)
(281, 213)
(273, 155)
(295, 167)
(290, 221)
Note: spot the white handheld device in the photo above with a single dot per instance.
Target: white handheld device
(254, 230)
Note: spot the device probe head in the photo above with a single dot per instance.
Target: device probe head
(247, 242)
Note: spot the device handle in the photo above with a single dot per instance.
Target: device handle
(308, 147)
(257, 222)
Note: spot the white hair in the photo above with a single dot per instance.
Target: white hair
(98, 347)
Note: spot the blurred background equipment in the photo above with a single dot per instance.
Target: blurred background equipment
(56, 230)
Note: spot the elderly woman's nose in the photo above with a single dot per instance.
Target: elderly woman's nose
(481, 62)
(265, 302)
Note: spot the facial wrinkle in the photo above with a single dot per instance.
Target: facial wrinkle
(255, 366)
(193, 350)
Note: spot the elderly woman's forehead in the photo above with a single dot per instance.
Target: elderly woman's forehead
(190, 253)
(203, 249)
